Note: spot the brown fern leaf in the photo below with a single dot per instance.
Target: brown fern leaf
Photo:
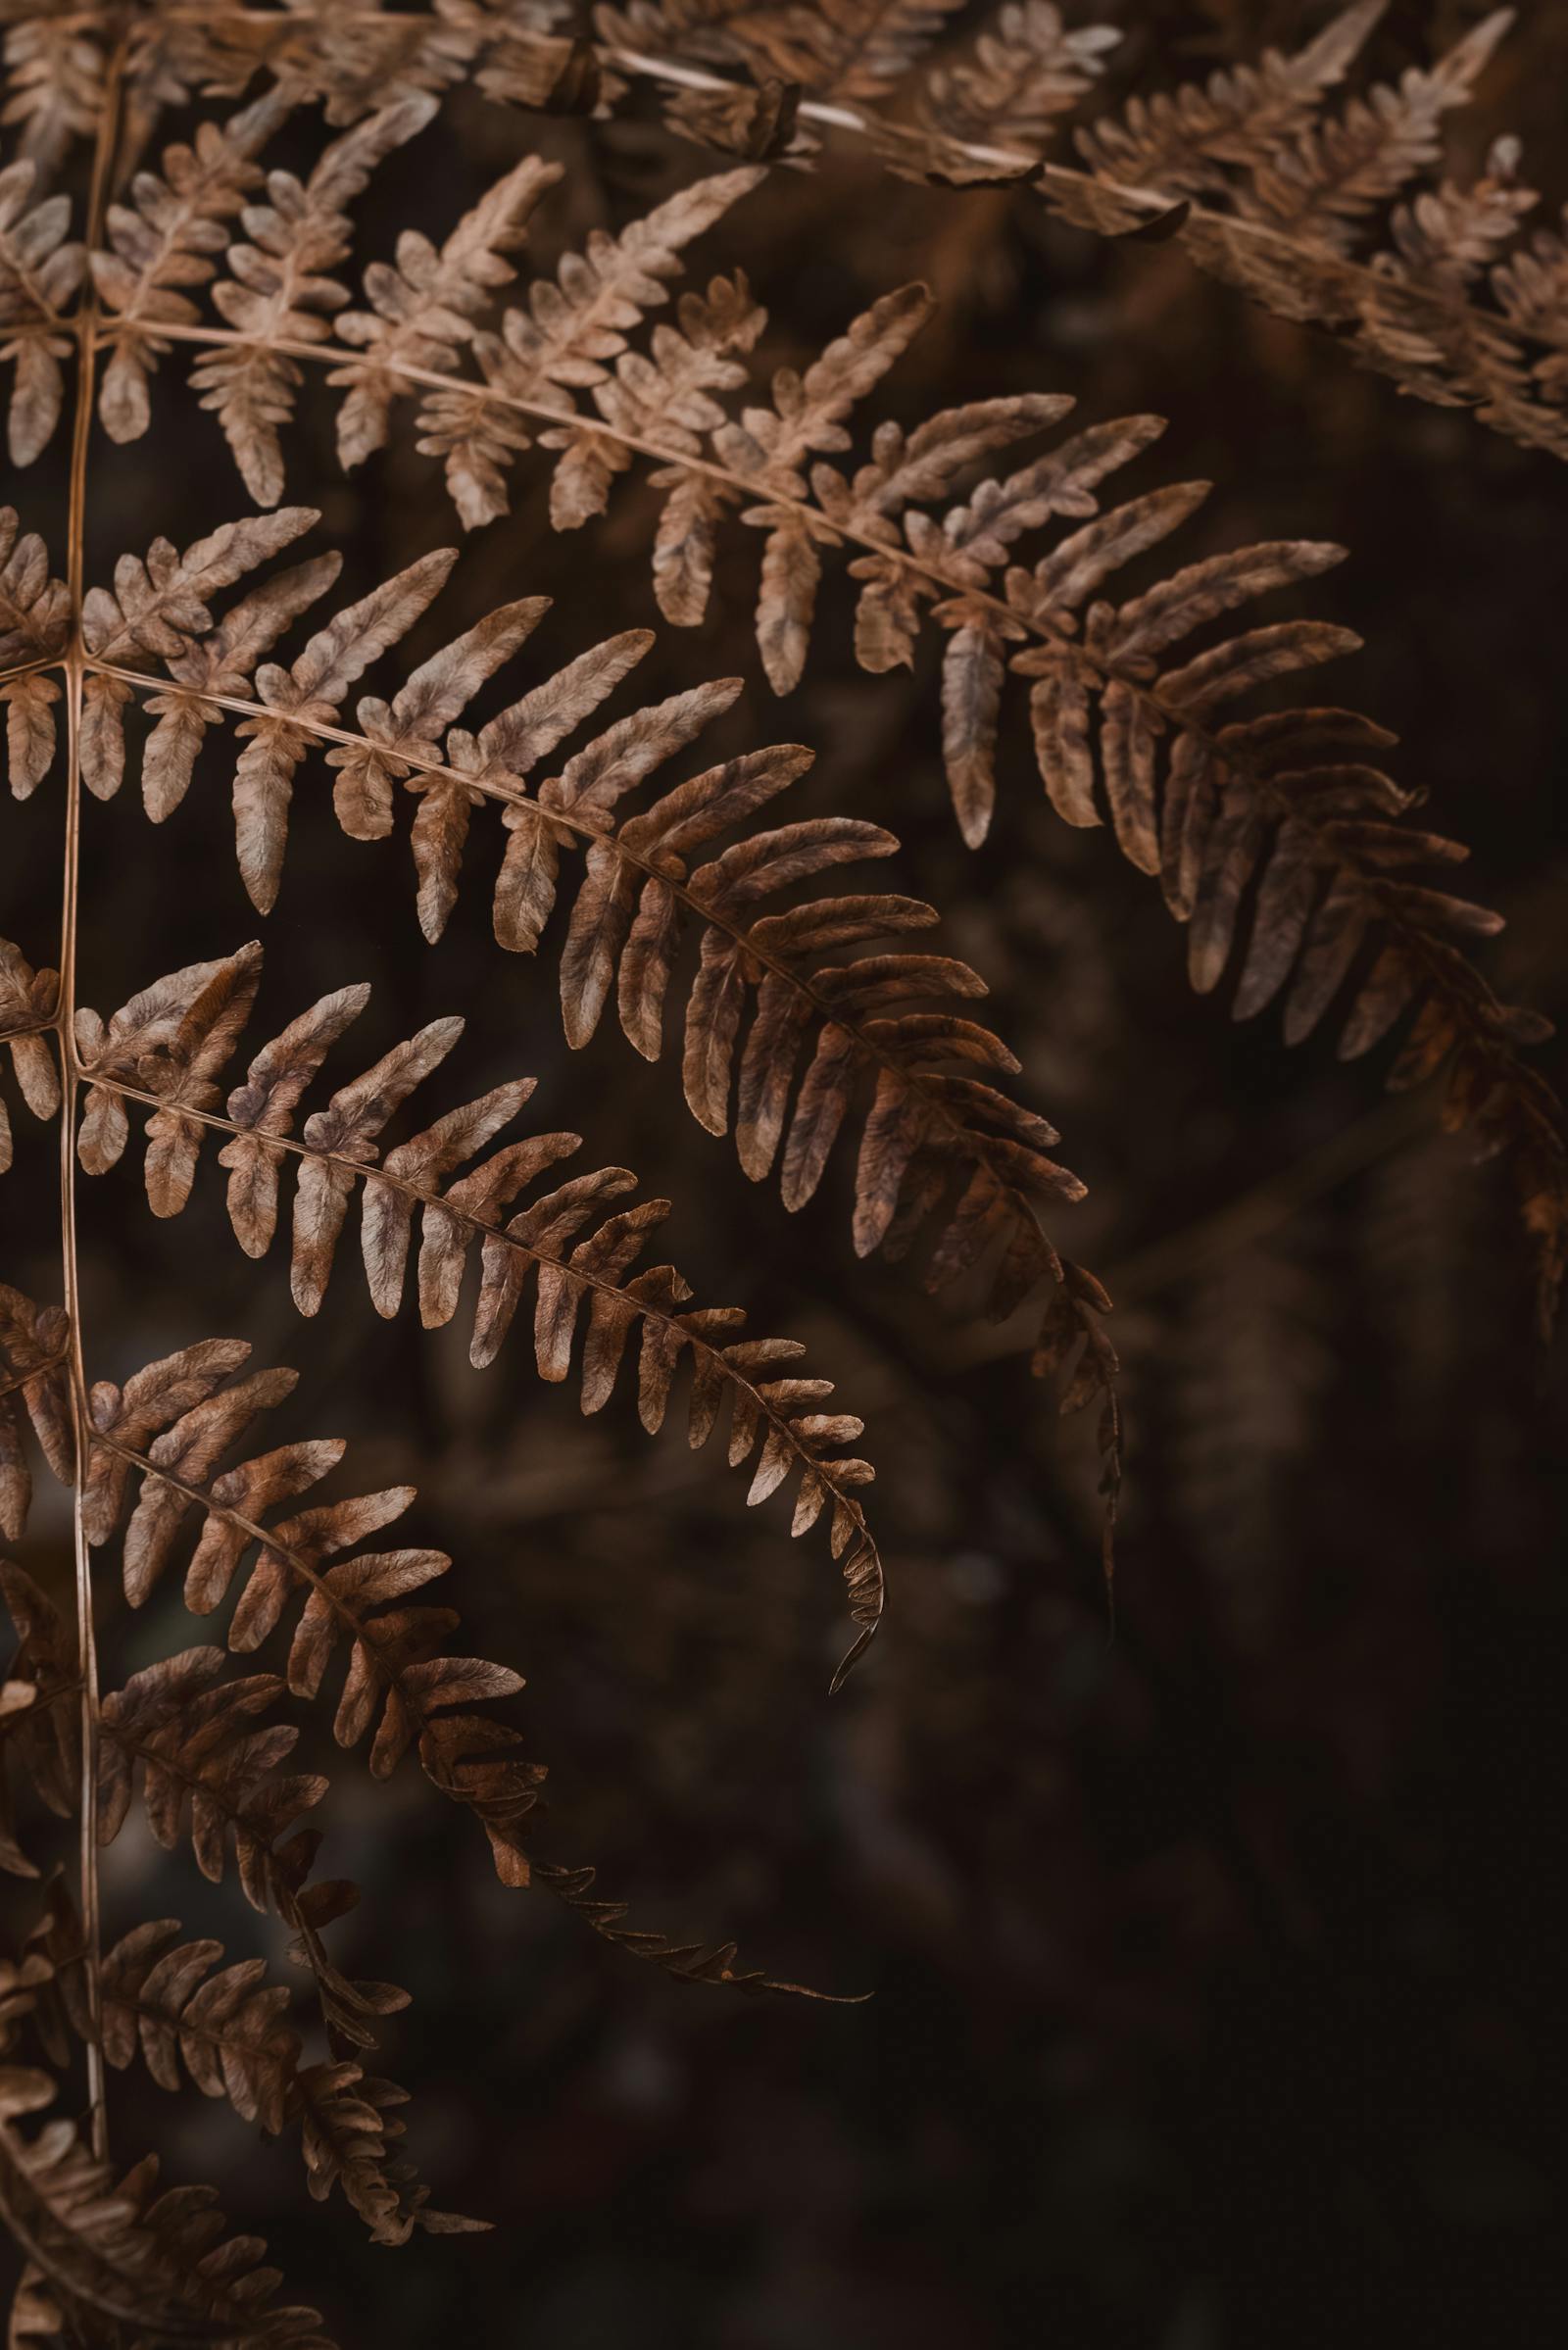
(1248, 171)
(170, 1427)
(35, 1387)
(27, 1002)
(186, 1736)
(283, 290)
(1262, 187)
(36, 1731)
(1231, 801)
(55, 61)
(842, 49)
(206, 1771)
(112, 2261)
(162, 2000)
(164, 1047)
(1184, 143)
(34, 626)
(428, 306)
(172, 1433)
(162, 241)
(160, 604)
(710, 1963)
(1334, 172)
(942, 1149)
(351, 59)
(1026, 68)
(228, 2031)
(1223, 809)
(39, 273)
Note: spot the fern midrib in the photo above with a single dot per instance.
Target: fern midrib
(85, 328)
(50, 1362)
(362, 1172)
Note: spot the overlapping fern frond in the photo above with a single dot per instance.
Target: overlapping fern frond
(809, 1021)
(1328, 206)
(167, 1048)
(942, 1150)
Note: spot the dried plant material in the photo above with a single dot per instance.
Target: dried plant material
(654, 875)
(1201, 800)
(40, 270)
(33, 1385)
(971, 1170)
(1329, 211)
(175, 1036)
(1325, 209)
(117, 2258)
(1028, 67)
(28, 1004)
(283, 291)
(843, 49)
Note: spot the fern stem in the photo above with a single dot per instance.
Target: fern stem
(69, 1069)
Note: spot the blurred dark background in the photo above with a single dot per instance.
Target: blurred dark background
(1216, 1999)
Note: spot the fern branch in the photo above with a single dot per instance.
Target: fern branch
(1196, 840)
(784, 1445)
(898, 1057)
(161, 1998)
(1259, 185)
(116, 2249)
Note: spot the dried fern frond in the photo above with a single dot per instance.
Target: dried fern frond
(227, 2031)
(29, 1001)
(35, 1386)
(172, 1428)
(37, 1745)
(1339, 218)
(188, 1733)
(935, 1127)
(843, 49)
(1342, 218)
(942, 1150)
(55, 57)
(1204, 803)
(112, 2260)
(39, 273)
(169, 1044)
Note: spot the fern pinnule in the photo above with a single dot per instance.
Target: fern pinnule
(36, 1741)
(283, 291)
(27, 1005)
(40, 271)
(160, 242)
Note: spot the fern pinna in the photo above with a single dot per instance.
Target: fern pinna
(662, 887)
